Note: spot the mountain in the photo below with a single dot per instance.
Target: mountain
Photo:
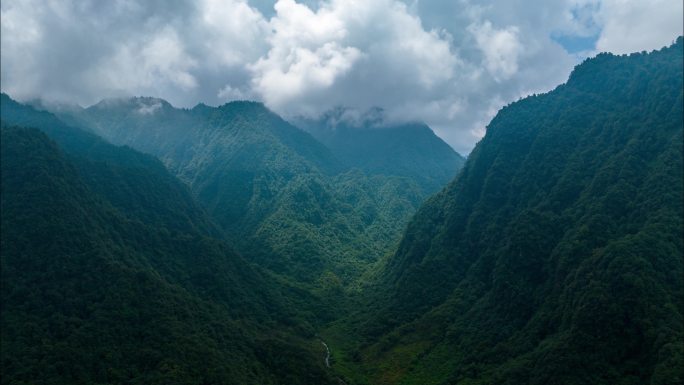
(366, 142)
(556, 256)
(283, 199)
(112, 274)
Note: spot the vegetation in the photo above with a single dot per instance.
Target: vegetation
(368, 143)
(106, 214)
(282, 198)
(111, 274)
(556, 256)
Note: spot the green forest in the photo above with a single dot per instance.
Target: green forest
(142, 243)
(283, 199)
(101, 287)
(555, 257)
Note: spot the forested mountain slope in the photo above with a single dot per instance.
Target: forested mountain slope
(368, 143)
(556, 256)
(281, 196)
(112, 274)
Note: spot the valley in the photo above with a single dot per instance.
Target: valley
(148, 244)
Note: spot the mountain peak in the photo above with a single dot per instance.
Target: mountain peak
(593, 70)
(244, 106)
(143, 105)
(354, 118)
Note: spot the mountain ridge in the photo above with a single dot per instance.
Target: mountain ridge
(379, 147)
(92, 270)
(279, 194)
(556, 254)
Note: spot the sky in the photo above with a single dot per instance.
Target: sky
(449, 63)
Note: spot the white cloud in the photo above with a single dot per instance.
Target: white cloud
(147, 64)
(635, 25)
(229, 93)
(306, 54)
(164, 57)
(501, 48)
(345, 45)
(233, 32)
(148, 108)
(450, 63)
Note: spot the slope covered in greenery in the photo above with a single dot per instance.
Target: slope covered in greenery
(111, 274)
(281, 196)
(556, 256)
(368, 143)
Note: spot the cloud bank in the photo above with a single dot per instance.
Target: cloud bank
(449, 63)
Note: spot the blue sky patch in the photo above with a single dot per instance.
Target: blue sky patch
(575, 44)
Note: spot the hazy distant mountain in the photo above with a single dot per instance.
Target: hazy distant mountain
(556, 256)
(284, 198)
(111, 273)
(366, 142)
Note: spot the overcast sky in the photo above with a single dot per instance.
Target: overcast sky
(449, 63)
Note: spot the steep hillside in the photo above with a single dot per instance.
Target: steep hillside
(282, 197)
(556, 256)
(408, 150)
(111, 274)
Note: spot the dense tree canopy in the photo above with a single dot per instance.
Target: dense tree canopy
(285, 200)
(112, 274)
(556, 256)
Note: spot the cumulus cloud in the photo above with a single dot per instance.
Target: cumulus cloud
(356, 54)
(231, 32)
(631, 26)
(500, 47)
(159, 59)
(450, 63)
